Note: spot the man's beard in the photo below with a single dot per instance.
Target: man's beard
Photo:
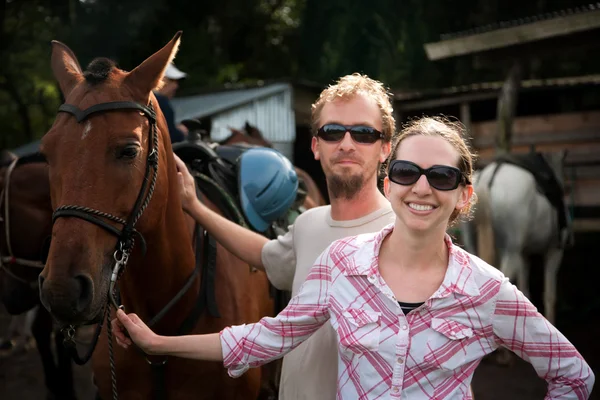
(345, 187)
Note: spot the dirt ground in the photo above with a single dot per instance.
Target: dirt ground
(578, 318)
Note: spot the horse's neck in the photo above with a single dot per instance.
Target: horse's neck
(150, 282)
(30, 211)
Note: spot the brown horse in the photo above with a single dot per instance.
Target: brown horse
(112, 174)
(25, 223)
(250, 134)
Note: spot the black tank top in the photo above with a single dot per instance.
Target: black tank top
(408, 307)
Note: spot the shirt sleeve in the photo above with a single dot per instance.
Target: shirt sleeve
(279, 259)
(519, 327)
(251, 345)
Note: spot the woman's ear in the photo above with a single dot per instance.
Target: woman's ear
(465, 197)
(386, 186)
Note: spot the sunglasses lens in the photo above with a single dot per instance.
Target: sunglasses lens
(364, 134)
(404, 174)
(443, 178)
(331, 132)
(360, 134)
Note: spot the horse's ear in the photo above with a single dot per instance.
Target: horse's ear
(247, 128)
(148, 75)
(65, 67)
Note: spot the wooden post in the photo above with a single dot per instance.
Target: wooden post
(398, 115)
(507, 106)
(465, 118)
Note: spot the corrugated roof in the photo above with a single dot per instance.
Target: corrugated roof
(497, 85)
(202, 105)
(521, 21)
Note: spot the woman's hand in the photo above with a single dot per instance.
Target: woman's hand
(138, 331)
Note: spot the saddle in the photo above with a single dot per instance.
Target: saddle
(546, 181)
(217, 168)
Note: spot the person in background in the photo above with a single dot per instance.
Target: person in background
(177, 132)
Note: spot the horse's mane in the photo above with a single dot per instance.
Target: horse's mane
(99, 70)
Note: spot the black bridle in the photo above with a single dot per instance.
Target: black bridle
(126, 240)
(126, 234)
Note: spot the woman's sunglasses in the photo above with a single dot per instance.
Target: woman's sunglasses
(440, 177)
(359, 133)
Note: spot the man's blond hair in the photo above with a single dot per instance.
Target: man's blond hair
(349, 86)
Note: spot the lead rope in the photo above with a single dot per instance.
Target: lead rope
(121, 257)
(111, 356)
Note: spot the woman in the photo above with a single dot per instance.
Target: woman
(414, 314)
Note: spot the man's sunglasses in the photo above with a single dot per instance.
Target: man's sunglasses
(440, 177)
(359, 133)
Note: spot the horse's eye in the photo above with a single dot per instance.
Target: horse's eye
(128, 152)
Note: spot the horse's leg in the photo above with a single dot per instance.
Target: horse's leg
(42, 331)
(515, 268)
(551, 266)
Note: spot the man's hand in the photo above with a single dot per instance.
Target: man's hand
(138, 331)
(187, 186)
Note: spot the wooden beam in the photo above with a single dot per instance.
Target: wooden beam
(448, 101)
(586, 225)
(545, 123)
(575, 136)
(517, 35)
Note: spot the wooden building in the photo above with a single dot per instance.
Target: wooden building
(561, 113)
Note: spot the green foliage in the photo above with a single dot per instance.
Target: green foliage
(243, 41)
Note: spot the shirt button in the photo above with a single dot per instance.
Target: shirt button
(395, 389)
(404, 327)
(400, 360)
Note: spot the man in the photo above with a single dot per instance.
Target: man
(164, 95)
(353, 126)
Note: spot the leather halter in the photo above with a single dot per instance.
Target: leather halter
(125, 236)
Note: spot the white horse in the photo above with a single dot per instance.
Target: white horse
(512, 221)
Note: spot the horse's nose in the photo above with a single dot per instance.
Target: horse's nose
(85, 292)
(67, 297)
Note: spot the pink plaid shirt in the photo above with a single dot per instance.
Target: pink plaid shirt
(430, 353)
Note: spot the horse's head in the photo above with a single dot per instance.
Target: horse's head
(109, 175)
(256, 135)
(249, 134)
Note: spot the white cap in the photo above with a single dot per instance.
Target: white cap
(172, 72)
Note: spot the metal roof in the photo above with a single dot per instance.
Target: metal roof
(203, 105)
(522, 21)
(26, 149)
(562, 82)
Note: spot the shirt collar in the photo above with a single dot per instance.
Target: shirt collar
(459, 274)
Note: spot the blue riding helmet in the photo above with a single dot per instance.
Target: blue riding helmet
(268, 185)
